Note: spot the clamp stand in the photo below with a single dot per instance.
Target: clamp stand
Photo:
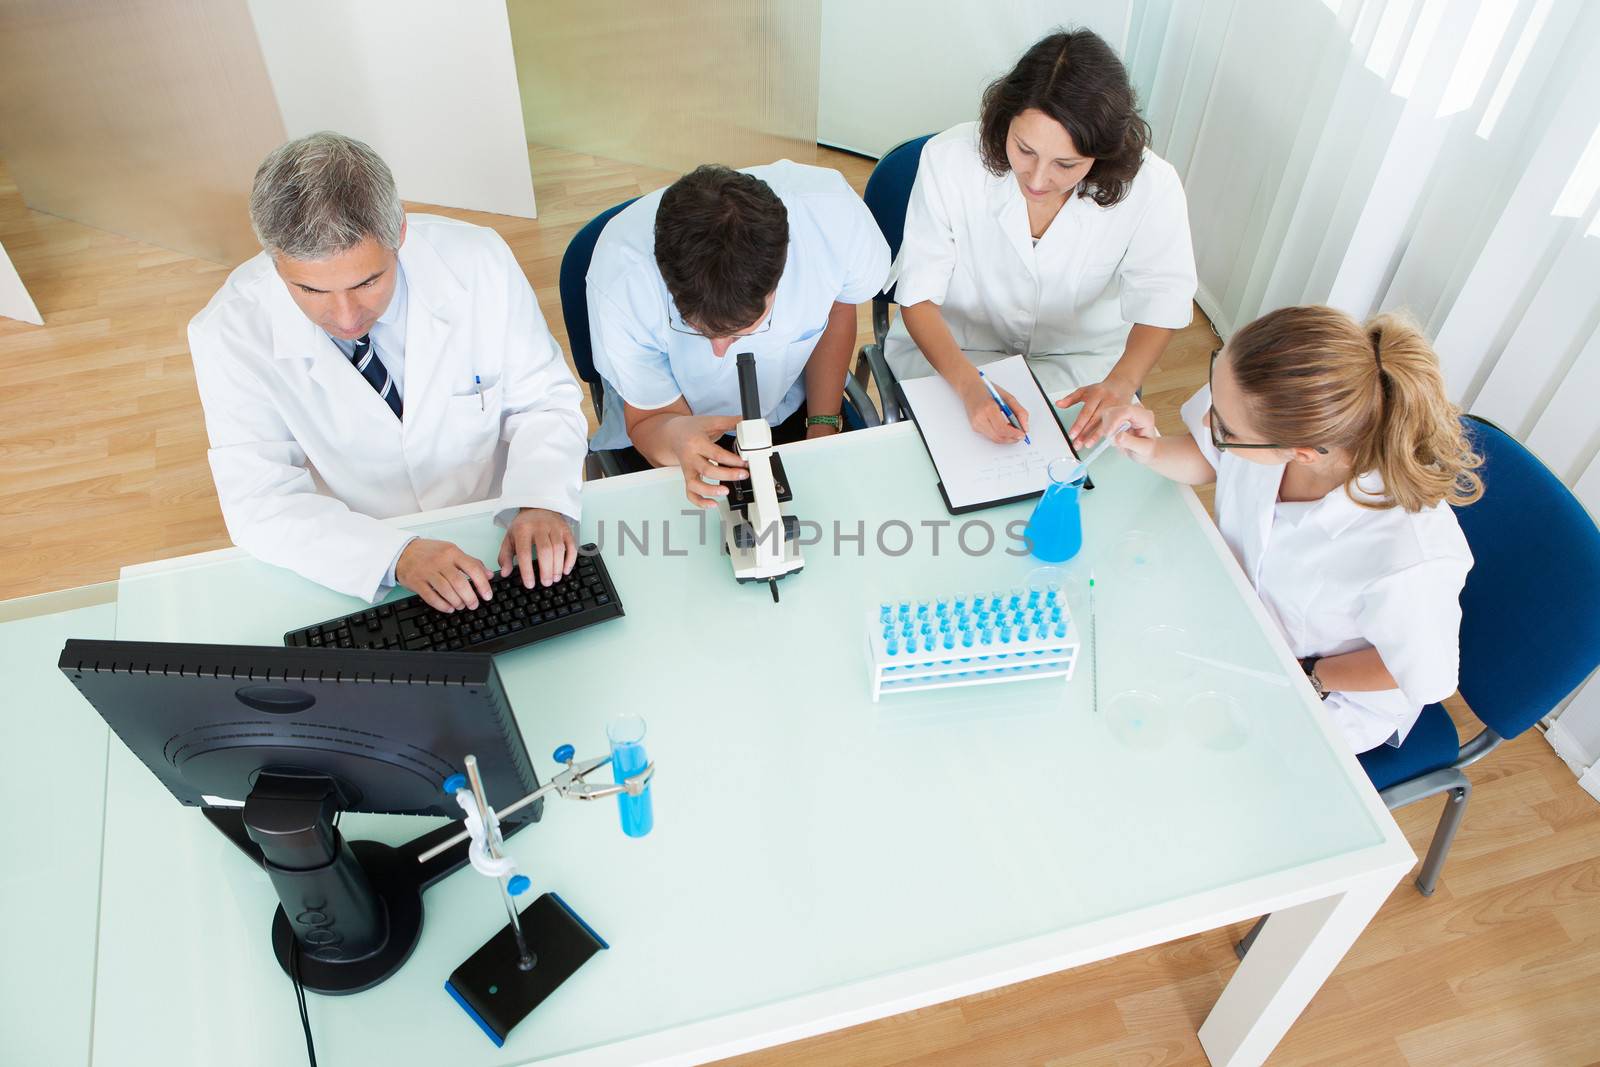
(543, 945)
(351, 910)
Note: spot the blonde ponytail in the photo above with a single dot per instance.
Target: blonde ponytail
(1313, 376)
(1418, 446)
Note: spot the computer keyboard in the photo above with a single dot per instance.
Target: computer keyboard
(514, 617)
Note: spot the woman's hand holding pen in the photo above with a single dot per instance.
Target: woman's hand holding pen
(986, 416)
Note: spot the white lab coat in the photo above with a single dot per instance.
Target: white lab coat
(1068, 302)
(306, 456)
(1337, 577)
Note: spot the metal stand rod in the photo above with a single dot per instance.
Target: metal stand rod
(525, 959)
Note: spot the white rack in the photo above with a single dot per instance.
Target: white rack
(1007, 657)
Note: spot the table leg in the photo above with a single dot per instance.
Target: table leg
(1292, 956)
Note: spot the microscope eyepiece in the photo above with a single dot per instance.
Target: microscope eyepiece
(749, 390)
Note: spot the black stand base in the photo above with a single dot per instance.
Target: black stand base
(496, 992)
(396, 879)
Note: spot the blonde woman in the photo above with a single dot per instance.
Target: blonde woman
(1337, 458)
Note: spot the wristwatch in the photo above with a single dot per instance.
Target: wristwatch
(1309, 665)
(825, 420)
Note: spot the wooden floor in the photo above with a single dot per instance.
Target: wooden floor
(102, 450)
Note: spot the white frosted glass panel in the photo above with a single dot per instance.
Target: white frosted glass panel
(671, 84)
(894, 69)
(15, 303)
(143, 117)
(432, 88)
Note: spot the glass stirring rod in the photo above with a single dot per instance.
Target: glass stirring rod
(1094, 453)
(1094, 650)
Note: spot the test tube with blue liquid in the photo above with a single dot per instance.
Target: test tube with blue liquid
(626, 734)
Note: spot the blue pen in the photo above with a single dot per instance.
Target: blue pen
(1005, 409)
(479, 383)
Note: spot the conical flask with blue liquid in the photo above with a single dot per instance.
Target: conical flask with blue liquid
(1055, 530)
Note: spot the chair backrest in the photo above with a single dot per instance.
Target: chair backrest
(1530, 629)
(889, 190)
(574, 294)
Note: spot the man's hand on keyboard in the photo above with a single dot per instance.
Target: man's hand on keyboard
(443, 575)
(547, 533)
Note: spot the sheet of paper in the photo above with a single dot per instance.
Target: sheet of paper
(973, 468)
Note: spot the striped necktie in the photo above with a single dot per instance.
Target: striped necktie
(377, 375)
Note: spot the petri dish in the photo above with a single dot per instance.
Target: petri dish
(1138, 556)
(1138, 720)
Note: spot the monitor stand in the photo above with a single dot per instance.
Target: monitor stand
(351, 911)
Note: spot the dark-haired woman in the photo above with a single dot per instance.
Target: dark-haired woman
(1046, 228)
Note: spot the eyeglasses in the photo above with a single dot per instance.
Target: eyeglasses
(1216, 435)
(678, 324)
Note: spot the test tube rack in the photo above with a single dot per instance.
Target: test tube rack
(970, 640)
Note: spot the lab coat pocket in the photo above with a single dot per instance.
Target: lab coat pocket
(474, 392)
(1098, 273)
(475, 416)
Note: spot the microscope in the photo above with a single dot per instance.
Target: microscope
(761, 541)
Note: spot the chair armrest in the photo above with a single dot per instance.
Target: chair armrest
(1480, 746)
(856, 394)
(880, 319)
(871, 357)
(601, 465)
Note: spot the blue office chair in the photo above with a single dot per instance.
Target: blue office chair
(575, 313)
(858, 410)
(1530, 633)
(888, 192)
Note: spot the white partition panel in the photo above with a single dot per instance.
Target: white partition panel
(142, 117)
(900, 68)
(670, 84)
(15, 303)
(432, 87)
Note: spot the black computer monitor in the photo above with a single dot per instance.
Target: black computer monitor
(274, 742)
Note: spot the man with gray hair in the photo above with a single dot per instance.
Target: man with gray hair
(369, 364)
